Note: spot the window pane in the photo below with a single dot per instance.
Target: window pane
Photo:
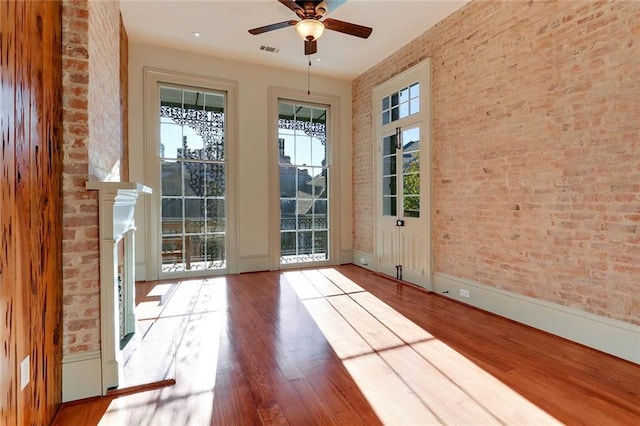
(171, 177)
(288, 207)
(404, 110)
(414, 90)
(411, 206)
(288, 244)
(411, 184)
(389, 165)
(320, 208)
(404, 95)
(385, 103)
(214, 249)
(305, 221)
(415, 106)
(303, 113)
(389, 144)
(389, 185)
(394, 99)
(214, 180)
(193, 179)
(216, 216)
(319, 183)
(170, 96)
(386, 117)
(302, 151)
(305, 242)
(395, 113)
(172, 250)
(411, 163)
(318, 153)
(320, 222)
(287, 214)
(288, 181)
(172, 215)
(411, 139)
(194, 213)
(389, 206)
(320, 242)
(170, 138)
(213, 102)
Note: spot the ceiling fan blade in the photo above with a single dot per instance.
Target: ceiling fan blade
(310, 47)
(347, 28)
(260, 30)
(293, 6)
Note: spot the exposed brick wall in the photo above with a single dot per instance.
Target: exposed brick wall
(92, 122)
(124, 101)
(536, 149)
(81, 295)
(105, 119)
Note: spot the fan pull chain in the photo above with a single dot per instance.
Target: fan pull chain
(309, 76)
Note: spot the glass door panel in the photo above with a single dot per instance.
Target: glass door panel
(411, 172)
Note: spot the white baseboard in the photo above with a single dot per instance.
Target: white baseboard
(254, 263)
(364, 259)
(81, 376)
(141, 272)
(614, 337)
(346, 256)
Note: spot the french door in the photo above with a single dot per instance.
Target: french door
(403, 177)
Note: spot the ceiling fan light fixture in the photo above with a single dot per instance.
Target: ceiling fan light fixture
(309, 29)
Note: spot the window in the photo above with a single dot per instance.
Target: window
(193, 179)
(304, 178)
(401, 104)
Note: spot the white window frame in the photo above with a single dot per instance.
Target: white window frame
(153, 79)
(332, 103)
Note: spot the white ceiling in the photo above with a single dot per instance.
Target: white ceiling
(223, 26)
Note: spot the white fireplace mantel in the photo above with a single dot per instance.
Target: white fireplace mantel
(117, 201)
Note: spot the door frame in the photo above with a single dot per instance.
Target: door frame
(421, 73)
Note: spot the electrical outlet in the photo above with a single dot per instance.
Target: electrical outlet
(24, 373)
(464, 293)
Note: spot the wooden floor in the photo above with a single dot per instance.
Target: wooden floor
(344, 346)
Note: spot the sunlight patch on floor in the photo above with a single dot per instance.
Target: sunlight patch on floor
(406, 374)
(196, 311)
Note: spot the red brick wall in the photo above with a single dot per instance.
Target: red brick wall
(93, 150)
(105, 118)
(81, 300)
(536, 149)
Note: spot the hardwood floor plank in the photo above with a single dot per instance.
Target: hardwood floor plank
(346, 346)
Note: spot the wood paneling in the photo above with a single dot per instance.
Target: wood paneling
(8, 379)
(31, 224)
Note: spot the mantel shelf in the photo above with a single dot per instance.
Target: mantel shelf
(119, 186)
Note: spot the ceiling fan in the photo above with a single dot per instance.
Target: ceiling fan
(310, 27)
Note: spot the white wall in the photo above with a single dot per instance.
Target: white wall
(253, 171)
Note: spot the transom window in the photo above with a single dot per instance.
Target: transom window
(401, 104)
